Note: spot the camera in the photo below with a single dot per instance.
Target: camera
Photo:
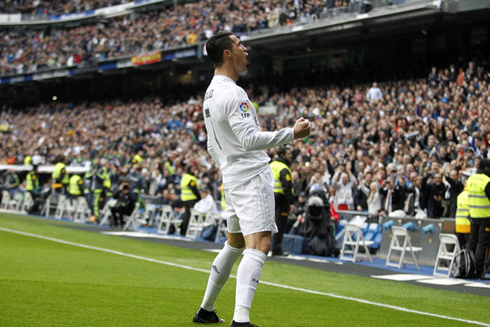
(125, 187)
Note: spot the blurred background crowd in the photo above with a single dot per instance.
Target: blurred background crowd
(377, 148)
(53, 47)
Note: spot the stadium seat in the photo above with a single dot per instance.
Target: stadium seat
(354, 239)
(150, 213)
(8, 202)
(69, 208)
(222, 230)
(58, 214)
(215, 219)
(400, 242)
(16, 201)
(167, 219)
(5, 199)
(27, 203)
(82, 210)
(132, 222)
(196, 223)
(106, 212)
(448, 249)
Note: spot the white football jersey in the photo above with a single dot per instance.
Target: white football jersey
(235, 140)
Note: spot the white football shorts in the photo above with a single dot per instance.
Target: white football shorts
(250, 207)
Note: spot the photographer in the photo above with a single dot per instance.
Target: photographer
(126, 200)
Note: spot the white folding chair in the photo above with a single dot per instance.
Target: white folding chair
(106, 212)
(69, 208)
(216, 218)
(448, 249)
(16, 201)
(132, 221)
(5, 199)
(58, 214)
(82, 210)
(46, 207)
(28, 201)
(353, 239)
(167, 218)
(400, 242)
(196, 223)
(149, 214)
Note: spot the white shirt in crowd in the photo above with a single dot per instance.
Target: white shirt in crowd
(235, 141)
(206, 205)
(374, 94)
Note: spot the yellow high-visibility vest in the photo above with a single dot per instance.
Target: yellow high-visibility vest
(223, 198)
(185, 184)
(463, 224)
(276, 167)
(74, 185)
(478, 202)
(32, 182)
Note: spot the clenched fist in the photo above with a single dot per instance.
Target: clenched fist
(302, 128)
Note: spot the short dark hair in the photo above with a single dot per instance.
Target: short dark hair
(484, 163)
(282, 151)
(215, 46)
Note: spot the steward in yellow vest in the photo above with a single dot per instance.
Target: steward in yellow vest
(59, 178)
(283, 195)
(463, 224)
(478, 187)
(32, 182)
(189, 196)
(75, 186)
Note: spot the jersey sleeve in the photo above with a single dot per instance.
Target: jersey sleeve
(245, 125)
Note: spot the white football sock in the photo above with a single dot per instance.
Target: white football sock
(248, 276)
(220, 271)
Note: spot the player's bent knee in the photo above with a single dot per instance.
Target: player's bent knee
(259, 241)
(235, 240)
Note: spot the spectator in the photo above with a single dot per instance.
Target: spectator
(345, 192)
(455, 188)
(436, 192)
(374, 94)
(126, 201)
(374, 199)
(206, 205)
(393, 196)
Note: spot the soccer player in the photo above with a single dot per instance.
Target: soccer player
(237, 145)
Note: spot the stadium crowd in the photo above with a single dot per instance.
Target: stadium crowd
(376, 148)
(175, 26)
(43, 8)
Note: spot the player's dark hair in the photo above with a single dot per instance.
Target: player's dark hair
(215, 46)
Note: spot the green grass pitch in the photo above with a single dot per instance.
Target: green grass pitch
(47, 283)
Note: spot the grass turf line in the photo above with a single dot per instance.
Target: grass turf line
(47, 283)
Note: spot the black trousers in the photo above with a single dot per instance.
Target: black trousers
(479, 243)
(463, 239)
(281, 216)
(188, 205)
(119, 211)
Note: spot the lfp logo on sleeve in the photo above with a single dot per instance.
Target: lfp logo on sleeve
(244, 108)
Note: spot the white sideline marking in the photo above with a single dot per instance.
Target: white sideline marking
(262, 282)
(443, 281)
(402, 277)
(146, 235)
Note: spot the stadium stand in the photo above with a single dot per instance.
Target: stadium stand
(367, 130)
